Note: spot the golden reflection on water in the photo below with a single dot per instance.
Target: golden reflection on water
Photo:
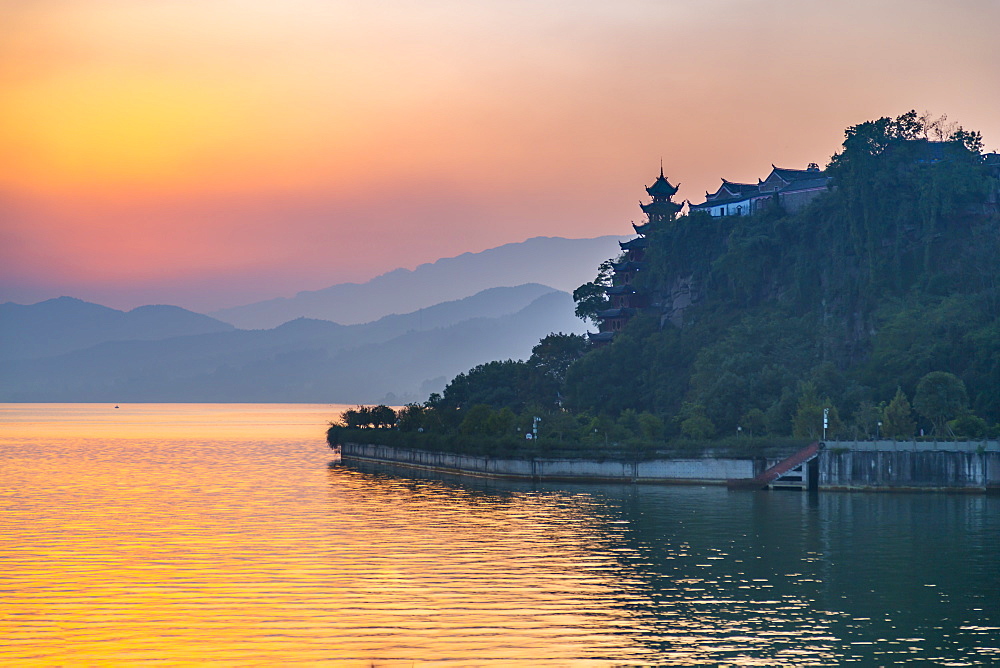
(186, 534)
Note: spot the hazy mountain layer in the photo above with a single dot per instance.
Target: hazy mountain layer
(561, 263)
(65, 324)
(303, 360)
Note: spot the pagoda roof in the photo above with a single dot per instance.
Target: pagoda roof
(630, 265)
(600, 337)
(661, 187)
(634, 244)
(642, 228)
(615, 313)
(620, 290)
(661, 206)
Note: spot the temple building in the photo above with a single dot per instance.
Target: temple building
(789, 189)
(625, 300)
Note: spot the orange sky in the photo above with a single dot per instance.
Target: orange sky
(215, 152)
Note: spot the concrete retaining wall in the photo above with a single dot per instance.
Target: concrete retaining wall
(665, 471)
(855, 465)
(940, 470)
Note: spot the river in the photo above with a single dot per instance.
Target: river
(181, 534)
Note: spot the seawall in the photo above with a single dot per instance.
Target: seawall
(911, 466)
(699, 471)
(852, 465)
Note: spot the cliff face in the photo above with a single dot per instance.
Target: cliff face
(679, 295)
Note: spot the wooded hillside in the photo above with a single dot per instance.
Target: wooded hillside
(890, 275)
(879, 302)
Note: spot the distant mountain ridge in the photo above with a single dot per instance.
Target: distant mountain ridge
(58, 326)
(560, 263)
(395, 338)
(397, 358)
(64, 324)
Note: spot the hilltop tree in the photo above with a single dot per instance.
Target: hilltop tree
(940, 397)
(554, 353)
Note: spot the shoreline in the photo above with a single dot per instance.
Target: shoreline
(944, 467)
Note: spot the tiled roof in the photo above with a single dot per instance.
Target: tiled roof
(739, 188)
(728, 193)
(727, 200)
(634, 244)
(628, 266)
(806, 184)
(795, 174)
(616, 313)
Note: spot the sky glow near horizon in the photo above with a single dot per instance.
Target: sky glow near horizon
(214, 153)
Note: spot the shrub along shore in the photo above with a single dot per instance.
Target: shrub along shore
(559, 436)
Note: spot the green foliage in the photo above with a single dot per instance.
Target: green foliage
(650, 426)
(591, 297)
(694, 423)
(516, 384)
(940, 397)
(898, 418)
(753, 422)
(553, 355)
(865, 421)
(495, 384)
(749, 366)
(638, 370)
(367, 417)
(476, 420)
(968, 426)
(808, 420)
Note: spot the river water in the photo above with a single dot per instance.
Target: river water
(182, 534)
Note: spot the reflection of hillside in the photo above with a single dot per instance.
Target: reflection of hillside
(707, 576)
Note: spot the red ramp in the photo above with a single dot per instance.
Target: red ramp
(784, 466)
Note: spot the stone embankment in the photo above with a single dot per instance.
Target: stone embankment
(911, 465)
(844, 465)
(704, 471)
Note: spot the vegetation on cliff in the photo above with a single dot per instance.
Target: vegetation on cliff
(879, 301)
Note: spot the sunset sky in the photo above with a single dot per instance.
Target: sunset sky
(208, 153)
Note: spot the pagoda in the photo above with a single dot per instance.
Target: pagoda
(625, 300)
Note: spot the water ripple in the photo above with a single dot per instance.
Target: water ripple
(174, 535)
